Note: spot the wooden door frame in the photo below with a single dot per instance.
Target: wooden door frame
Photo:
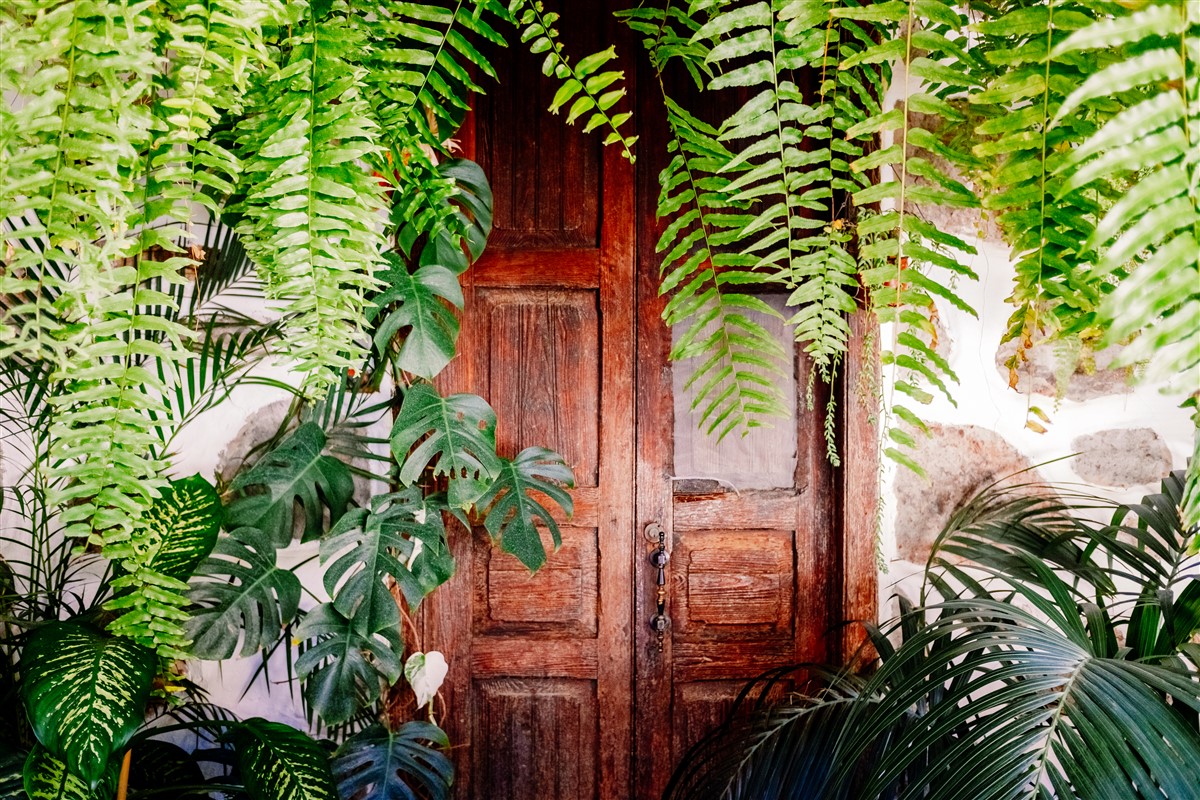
(852, 487)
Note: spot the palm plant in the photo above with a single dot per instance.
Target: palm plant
(1053, 657)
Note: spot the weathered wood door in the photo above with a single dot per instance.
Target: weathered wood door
(557, 687)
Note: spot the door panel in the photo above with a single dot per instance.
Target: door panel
(557, 686)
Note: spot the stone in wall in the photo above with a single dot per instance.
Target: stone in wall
(258, 428)
(959, 461)
(1093, 377)
(1121, 457)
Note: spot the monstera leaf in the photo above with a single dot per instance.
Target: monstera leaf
(338, 677)
(513, 513)
(401, 537)
(403, 764)
(473, 200)
(454, 436)
(278, 762)
(240, 593)
(420, 299)
(295, 471)
(47, 778)
(85, 693)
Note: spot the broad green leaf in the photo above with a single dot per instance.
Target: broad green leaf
(423, 303)
(400, 537)
(344, 671)
(297, 471)
(514, 513)
(183, 524)
(404, 764)
(240, 594)
(453, 436)
(278, 762)
(47, 778)
(12, 772)
(85, 693)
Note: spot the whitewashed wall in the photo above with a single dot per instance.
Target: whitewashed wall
(1104, 437)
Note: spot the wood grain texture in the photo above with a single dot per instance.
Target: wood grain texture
(536, 739)
(543, 372)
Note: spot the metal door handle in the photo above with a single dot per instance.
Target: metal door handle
(659, 559)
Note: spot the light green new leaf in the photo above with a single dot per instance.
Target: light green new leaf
(278, 762)
(455, 436)
(420, 301)
(404, 764)
(240, 593)
(344, 671)
(513, 512)
(297, 471)
(85, 693)
(47, 778)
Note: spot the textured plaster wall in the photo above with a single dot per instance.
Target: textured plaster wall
(1104, 436)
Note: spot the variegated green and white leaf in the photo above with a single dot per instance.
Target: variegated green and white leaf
(278, 762)
(85, 693)
(47, 778)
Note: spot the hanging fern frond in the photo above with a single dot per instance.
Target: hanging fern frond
(1055, 293)
(309, 209)
(585, 85)
(1150, 237)
(906, 260)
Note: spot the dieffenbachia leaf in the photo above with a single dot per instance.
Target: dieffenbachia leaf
(12, 774)
(454, 436)
(418, 302)
(175, 534)
(47, 778)
(297, 471)
(240, 593)
(158, 765)
(85, 693)
(513, 513)
(183, 523)
(339, 678)
(402, 537)
(278, 762)
(404, 764)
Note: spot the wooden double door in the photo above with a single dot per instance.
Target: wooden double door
(559, 687)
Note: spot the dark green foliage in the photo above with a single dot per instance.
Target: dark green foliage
(278, 762)
(513, 513)
(85, 694)
(455, 437)
(47, 778)
(1014, 668)
(345, 670)
(240, 594)
(404, 764)
(422, 304)
(297, 471)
